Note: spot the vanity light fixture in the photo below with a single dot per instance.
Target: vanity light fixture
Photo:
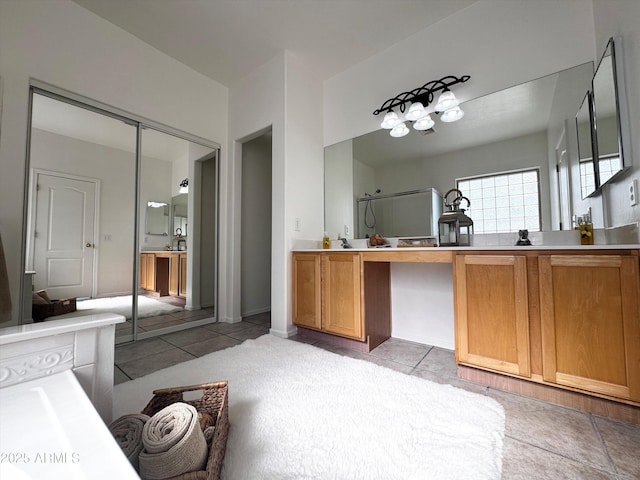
(452, 114)
(418, 101)
(184, 186)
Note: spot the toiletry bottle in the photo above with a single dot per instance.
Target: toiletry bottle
(586, 234)
(326, 242)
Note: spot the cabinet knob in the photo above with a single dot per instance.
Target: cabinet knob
(89, 245)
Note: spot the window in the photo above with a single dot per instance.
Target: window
(608, 166)
(503, 202)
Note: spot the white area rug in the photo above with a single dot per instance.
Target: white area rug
(300, 412)
(147, 307)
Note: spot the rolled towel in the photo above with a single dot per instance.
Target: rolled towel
(127, 430)
(173, 443)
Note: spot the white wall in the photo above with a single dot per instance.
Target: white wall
(621, 18)
(63, 44)
(280, 94)
(262, 93)
(422, 307)
(338, 190)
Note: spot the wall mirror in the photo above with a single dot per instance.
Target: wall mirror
(179, 214)
(157, 218)
(609, 110)
(509, 130)
(588, 181)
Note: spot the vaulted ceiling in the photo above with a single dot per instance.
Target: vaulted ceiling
(227, 39)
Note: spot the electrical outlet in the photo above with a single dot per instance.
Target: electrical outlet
(347, 231)
(633, 192)
(296, 225)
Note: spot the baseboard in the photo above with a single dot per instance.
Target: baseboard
(256, 311)
(290, 332)
(548, 393)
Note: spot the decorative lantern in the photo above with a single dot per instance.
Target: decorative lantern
(455, 228)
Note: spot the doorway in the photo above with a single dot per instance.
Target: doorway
(256, 226)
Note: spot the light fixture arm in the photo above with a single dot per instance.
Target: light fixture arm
(423, 94)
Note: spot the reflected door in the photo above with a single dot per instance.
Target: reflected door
(64, 236)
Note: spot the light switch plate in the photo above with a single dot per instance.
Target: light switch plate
(633, 192)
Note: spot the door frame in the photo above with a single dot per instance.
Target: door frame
(34, 174)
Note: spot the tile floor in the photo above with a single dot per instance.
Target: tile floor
(542, 440)
(172, 319)
(133, 360)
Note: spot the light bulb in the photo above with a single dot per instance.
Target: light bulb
(425, 123)
(416, 111)
(390, 120)
(399, 131)
(446, 101)
(452, 114)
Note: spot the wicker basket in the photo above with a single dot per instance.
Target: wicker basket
(214, 401)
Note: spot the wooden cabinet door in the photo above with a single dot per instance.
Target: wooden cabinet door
(143, 270)
(306, 290)
(342, 295)
(148, 271)
(182, 288)
(174, 274)
(590, 316)
(492, 313)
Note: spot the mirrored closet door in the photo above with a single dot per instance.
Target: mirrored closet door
(115, 223)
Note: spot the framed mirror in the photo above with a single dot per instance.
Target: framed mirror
(584, 131)
(157, 218)
(609, 115)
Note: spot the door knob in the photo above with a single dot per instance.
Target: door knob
(89, 245)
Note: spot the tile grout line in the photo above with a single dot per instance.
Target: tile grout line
(603, 443)
(560, 454)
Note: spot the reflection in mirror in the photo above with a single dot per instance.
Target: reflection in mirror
(585, 147)
(83, 168)
(157, 215)
(83, 177)
(510, 130)
(607, 116)
(179, 214)
(403, 214)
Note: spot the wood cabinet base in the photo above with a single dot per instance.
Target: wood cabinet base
(372, 340)
(549, 393)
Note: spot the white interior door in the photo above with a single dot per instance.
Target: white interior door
(64, 236)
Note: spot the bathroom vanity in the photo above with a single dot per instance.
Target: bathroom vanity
(164, 273)
(567, 317)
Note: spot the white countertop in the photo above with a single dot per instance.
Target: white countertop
(51, 430)
(477, 248)
(29, 331)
